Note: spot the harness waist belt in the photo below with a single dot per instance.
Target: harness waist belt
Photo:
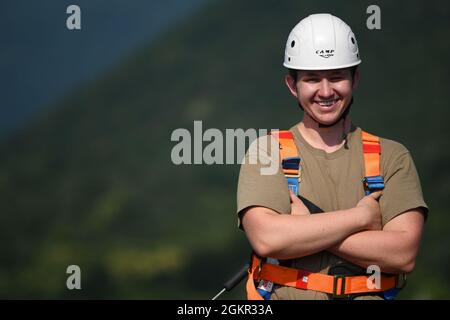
(337, 285)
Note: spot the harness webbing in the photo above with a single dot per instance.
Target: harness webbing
(290, 160)
(373, 181)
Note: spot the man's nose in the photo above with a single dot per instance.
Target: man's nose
(325, 90)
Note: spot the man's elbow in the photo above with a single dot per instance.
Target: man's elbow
(263, 247)
(408, 266)
(407, 261)
(404, 264)
(260, 232)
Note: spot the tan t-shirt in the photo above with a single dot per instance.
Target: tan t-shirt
(332, 181)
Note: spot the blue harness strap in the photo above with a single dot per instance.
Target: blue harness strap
(292, 164)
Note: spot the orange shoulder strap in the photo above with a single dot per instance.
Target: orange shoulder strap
(287, 145)
(373, 181)
(371, 151)
(290, 161)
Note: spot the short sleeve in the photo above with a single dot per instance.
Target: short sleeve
(261, 181)
(402, 190)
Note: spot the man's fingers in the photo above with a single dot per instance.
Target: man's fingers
(376, 195)
(293, 197)
(297, 205)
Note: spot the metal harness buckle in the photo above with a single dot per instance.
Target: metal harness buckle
(341, 294)
(372, 184)
(291, 163)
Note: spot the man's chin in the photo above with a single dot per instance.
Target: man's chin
(326, 121)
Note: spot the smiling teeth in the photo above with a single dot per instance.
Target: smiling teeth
(327, 103)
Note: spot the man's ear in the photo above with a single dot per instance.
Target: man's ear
(291, 84)
(356, 78)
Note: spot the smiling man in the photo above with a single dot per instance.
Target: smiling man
(342, 200)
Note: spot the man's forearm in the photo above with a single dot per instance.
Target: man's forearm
(285, 236)
(394, 249)
(390, 250)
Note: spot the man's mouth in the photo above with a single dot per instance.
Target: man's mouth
(327, 103)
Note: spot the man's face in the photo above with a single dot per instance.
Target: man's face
(324, 94)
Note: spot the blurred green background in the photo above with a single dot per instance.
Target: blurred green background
(89, 179)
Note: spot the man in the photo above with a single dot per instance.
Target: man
(354, 231)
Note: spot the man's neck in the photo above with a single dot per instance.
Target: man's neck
(328, 139)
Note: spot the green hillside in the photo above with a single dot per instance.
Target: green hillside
(92, 183)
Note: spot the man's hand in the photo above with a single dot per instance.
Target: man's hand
(297, 206)
(371, 210)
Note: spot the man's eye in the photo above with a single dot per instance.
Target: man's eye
(335, 79)
(311, 80)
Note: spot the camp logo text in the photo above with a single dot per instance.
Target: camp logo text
(325, 53)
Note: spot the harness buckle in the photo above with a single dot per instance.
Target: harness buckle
(373, 183)
(341, 294)
(291, 163)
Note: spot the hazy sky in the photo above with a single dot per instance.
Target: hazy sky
(41, 60)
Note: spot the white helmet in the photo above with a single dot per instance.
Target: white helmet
(321, 42)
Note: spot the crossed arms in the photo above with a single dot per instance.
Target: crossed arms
(354, 234)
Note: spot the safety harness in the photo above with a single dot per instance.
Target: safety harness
(339, 286)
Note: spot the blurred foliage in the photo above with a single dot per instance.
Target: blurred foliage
(92, 183)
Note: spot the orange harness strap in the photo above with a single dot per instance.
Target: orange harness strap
(338, 286)
(290, 161)
(372, 152)
(287, 145)
(252, 294)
